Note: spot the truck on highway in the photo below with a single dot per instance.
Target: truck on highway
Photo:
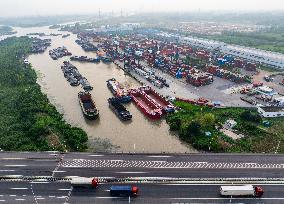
(116, 190)
(244, 190)
(84, 182)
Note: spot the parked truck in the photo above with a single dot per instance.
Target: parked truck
(244, 190)
(84, 182)
(116, 190)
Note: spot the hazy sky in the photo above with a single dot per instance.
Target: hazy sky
(49, 7)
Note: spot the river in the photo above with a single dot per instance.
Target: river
(139, 135)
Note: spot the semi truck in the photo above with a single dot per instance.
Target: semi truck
(116, 190)
(244, 190)
(84, 182)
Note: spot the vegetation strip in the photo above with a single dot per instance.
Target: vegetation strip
(28, 120)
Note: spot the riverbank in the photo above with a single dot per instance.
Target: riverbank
(28, 121)
(208, 129)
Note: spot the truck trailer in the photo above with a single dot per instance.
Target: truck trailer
(244, 190)
(116, 190)
(84, 182)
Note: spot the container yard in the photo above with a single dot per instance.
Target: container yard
(174, 69)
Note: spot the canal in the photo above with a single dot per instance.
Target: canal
(138, 135)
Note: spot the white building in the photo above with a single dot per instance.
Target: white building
(273, 59)
(271, 112)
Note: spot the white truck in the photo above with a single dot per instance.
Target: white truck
(244, 190)
(84, 182)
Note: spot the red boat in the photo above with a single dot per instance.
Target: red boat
(146, 105)
(161, 102)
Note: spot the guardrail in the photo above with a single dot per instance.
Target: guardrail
(148, 180)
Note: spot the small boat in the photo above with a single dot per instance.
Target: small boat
(65, 36)
(119, 109)
(146, 105)
(88, 106)
(165, 105)
(121, 94)
(85, 84)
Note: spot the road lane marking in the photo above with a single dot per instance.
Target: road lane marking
(14, 176)
(2, 200)
(159, 156)
(40, 182)
(56, 171)
(234, 198)
(11, 158)
(64, 189)
(131, 172)
(8, 170)
(33, 193)
(15, 165)
(107, 197)
(20, 199)
(18, 188)
(58, 165)
(12, 195)
(96, 155)
(61, 197)
(51, 196)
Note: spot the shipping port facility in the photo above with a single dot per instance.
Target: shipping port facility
(145, 101)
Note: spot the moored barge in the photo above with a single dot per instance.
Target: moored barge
(117, 90)
(161, 102)
(88, 106)
(146, 105)
(119, 109)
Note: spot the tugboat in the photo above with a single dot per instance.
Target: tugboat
(146, 105)
(88, 106)
(116, 89)
(119, 109)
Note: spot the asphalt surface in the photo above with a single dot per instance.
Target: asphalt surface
(142, 166)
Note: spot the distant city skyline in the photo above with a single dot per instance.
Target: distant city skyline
(13, 8)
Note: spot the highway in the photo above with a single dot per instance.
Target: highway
(47, 177)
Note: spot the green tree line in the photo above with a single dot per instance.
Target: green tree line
(28, 122)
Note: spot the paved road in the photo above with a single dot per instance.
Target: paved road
(53, 164)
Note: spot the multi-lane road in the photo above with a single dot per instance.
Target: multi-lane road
(45, 177)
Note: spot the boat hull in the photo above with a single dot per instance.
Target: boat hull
(92, 113)
(118, 92)
(146, 106)
(159, 100)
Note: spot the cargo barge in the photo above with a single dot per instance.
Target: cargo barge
(88, 106)
(116, 89)
(161, 102)
(59, 53)
(146, 105)
(85, 59)
(119, 109)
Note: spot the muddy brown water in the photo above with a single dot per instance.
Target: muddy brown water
(138, 135)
